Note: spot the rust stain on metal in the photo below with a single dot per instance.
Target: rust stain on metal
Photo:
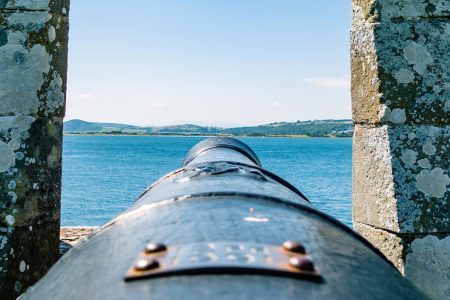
(294, 247)
(301, 263)
(154, 247)
(223, 258)
(145, 264)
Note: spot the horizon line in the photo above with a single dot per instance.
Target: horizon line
(203, 125)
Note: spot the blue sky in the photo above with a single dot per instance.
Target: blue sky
(210, 62)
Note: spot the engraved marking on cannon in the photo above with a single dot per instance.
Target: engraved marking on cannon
(226, 258)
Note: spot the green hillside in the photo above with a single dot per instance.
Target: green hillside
(310, 128)
(80, 126)
(340, 128)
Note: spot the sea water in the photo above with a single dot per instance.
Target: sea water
(103, 175)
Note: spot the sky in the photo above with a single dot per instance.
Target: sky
(208, 62)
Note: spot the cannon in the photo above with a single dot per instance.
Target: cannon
(222, 227)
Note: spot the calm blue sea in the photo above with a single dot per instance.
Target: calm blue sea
(103, 175)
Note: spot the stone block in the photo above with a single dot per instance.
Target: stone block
(401, 178)
(26, 255)
(423, 259)
(55, 6)
(428, 265)
(400, 72)
(382, 10)
(30, 188)
(30, 168)
(390, 244)
(33, 63)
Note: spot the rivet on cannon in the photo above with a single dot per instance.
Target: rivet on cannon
(153, 248)
(294, 247)
(146, 264)
(301, 263)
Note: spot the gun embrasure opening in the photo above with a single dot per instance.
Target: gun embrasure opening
(221, 149)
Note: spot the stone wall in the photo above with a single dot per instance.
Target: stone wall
(33, 68)
(400, 52)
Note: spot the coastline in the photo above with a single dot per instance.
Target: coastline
(302, 136)
(299, 129)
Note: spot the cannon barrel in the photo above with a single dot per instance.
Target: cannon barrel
(222, 227)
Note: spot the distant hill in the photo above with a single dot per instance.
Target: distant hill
(187, 129)
(80, 126)
(339, 128)
(310, 128)
(115, 125)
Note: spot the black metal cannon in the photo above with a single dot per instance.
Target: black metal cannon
(222, 227)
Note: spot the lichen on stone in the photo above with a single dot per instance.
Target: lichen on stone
(406, 60)
(417, 200)
(427, 265)
(433, 183)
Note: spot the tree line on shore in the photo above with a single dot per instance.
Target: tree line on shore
(314, 128)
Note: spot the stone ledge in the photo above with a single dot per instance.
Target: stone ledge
(70, 236)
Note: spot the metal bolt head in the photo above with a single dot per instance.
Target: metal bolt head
(152, 248)
(146, 264)
(294, 247)
(301, 263)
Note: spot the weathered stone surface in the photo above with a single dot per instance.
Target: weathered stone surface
(401, 178)
(391, 245)
(29, 199)
(29, 256)
(400, 71)
(33, 74)
(31, 176)
(383, 10)
(56, 6)
(33, 43)
(428, 265)
(401, 162)
(424, 259)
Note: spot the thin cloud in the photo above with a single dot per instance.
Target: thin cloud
(342, 82)
(277, 104)
(84, 97)
(156, 107)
